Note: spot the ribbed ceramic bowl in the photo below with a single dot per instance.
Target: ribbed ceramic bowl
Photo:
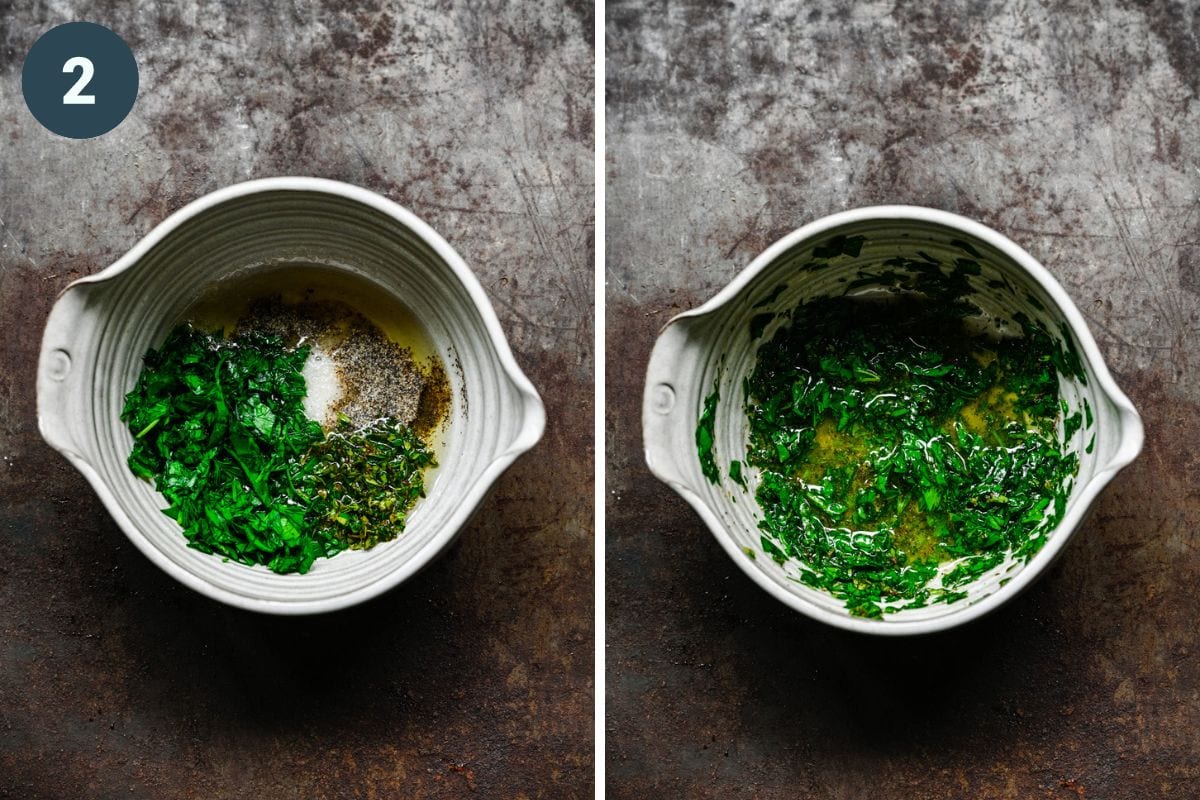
(713, 345)
(102, 325)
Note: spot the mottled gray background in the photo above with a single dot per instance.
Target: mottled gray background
(1072, 127)
(475, 675)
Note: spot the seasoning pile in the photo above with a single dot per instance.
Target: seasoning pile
(219, 425)
(373, 377)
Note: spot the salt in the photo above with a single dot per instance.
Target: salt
(324, 386)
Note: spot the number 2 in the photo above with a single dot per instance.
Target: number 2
(73, 96)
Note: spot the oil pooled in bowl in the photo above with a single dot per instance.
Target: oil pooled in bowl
(369, 357)
(289, 417)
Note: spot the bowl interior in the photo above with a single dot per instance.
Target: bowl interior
(862, 257)
(295, 229)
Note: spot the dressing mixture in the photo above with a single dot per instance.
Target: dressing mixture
(902, 453)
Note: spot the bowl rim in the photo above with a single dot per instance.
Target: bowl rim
(529, 433)
(1130, 424)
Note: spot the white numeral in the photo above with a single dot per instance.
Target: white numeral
(73, 96)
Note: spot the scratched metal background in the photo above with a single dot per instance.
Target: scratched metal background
(477, 674)
(1073, 127)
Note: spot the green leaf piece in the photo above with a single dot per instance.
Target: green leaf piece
(705, 436)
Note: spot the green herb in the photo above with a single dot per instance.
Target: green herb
(704, 436)
(900, 457)
(965, 246)
(759, 323)
(772, 297)
(219, 426)
(735, 473)
(365, 481)
(840, 245)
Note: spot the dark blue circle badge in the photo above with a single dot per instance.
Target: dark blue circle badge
(80, 80)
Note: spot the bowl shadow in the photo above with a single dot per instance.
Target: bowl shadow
(971, 687)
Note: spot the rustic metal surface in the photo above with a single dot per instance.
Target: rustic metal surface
(477, 674)
(1075, 129)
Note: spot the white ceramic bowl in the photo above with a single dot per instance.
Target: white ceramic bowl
(712, 345)
(102, 325)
